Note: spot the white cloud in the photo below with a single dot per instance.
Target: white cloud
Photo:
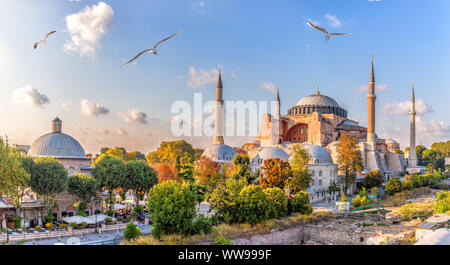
(67, 105)
(233, 75)
(133, 115)
(86, 28)
(268, 86)
(30, 96)
(199, 78)
(403, 108)
(381, 88)
(89, 108)
(436, 130)
(333, 20)
(374, 0)
(121, 131)
(198, 6)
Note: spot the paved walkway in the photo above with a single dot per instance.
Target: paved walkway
(90, 239)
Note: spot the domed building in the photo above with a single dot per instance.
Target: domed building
(267, 153)
(220, 153)
(315, 119)
(68, 152)
(63, 147)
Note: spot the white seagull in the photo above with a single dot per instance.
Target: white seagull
(327, 35)
(152, 49)
(44, 41)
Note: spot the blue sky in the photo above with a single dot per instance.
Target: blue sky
(251, 41)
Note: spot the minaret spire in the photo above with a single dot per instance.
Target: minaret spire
(412, 158)
(371, 106)
(218, 131)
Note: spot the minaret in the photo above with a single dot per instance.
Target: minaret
(218, 131)
(412, 158)
(371, 107)
(56, 125)
(276, 121)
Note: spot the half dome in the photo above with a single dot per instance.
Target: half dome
(220, 153)
(58, 145)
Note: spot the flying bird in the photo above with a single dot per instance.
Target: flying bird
(44, 41)
(153, 49)
(327, 35)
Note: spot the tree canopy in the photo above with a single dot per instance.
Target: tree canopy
(139, 178)
(276, 174)
(349, 159)
(168, 152)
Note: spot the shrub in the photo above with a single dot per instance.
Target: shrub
(84, 224)
(110, 213)
(49, 219)
(442, 204)
(131, 232)
(415, 210)
(108, 220)
(82, 214)
(254, 206)
(138, 210)
(290, 207)
(222, 241)
(49, 226)
(394, 185)
(24, 228)
(119, 219)
(17, 221)
(301, 203)
(372, 179)
(73, 225)
(202, 225)
(224, 199)
(359, 201)
(278, 197)
(63, 226)
(172, 208)
(4, 229)
(38, 228)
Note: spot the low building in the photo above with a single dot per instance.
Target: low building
(427, 231)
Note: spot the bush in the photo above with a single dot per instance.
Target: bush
(225, 198)
(108, 220)
(359, 201)
(138, 210)
(172, 208)
(131, 232)
(280, 202)
(84, 224)
(17, 221)
(4, 229)
(343, 197)
(394, 185)
(222, 241)
(119, 219)
(110, 213)
(82, 214)
(24, 228)
(73, 225)
(415, 210)
(301, 203)
(442, 204)
(38, 228)
(49, 219)
(254, 206)
(63, 226)
(202, 225)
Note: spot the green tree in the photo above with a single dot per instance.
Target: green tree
(110, 175)
(172, 208)
(301, 203)
(349, 159)
(372, 179)
(225, 199)
(278, 197)
(242, 162)
(185, 168)
(84, 187)
(442, 204)
(168, 152)
(13, 175)
(139, 178)
(334, 189)
(301, 178)
(131, 232)
(393, 186)
(253, 205)
(49, 179)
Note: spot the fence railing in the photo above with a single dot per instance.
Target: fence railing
(56, 234)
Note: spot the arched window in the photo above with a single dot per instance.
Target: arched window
(313, 182)
(320, 183)
(313, 173)
(320, 173)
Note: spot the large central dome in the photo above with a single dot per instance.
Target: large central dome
(317, 100)
(57, 144)
(317, 103)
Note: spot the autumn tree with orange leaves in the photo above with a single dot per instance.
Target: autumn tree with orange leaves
(204, 168)
(165, 172)
(349, 159)
(276, 173)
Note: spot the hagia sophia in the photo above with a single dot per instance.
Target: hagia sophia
(317, 122)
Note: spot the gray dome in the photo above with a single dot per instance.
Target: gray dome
(319, 155)
(270, 153)
(219, 153)
(58, 145)
(317, 100)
